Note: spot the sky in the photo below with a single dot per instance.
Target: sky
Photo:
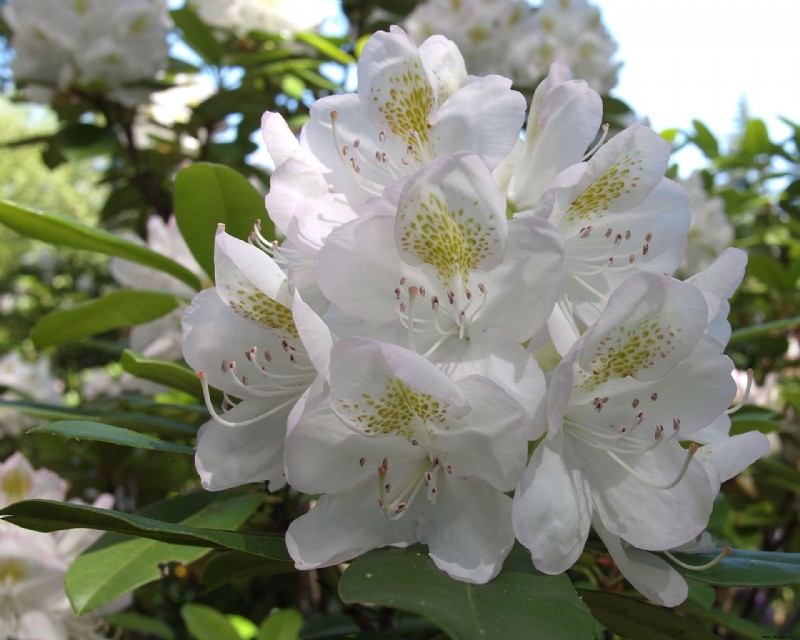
(697, 59)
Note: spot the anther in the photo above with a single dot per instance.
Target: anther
(676, 423)
(654, 396)
(628, 234)
(608, 232)
(362, 461)
(645, 248)
(451, 297)
(635, 403)
(648, 236)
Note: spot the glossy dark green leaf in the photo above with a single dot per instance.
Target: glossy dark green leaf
(207, 195)
(129, 419)
(742, 628)
(742, 568)
(198, 35)
(170, 374)
(206, 623)
(510, 606)
(117, 564)
(49, 515)
(96, 431)
(636, 620)
(65, 232)
(116, 310)
(226, 566)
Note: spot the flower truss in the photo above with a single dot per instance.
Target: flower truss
(511, 38)
(33, 603)
(448, 295)
(24, 380)
(98, 46)
(284, 17)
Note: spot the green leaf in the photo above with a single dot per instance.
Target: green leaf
(635, 620)
(205, 623)
(117, 564)
(227, 566)
(82, 140)
(65, 232)
(743, 629)
(705, 140)
(50, 515)
(742, 568)
(129, 419)
(516, 601)
(209, 194)
(281, 625)
(170, 374)
(755, 140)
(131, 621)
(82, 430)
(198, 36)
(118, 309)
(326, 48)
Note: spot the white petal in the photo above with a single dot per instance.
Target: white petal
(232, 456)
(730, 456)
(314, 334)
(339, 528)
(468, 531)
(281, 142)
(552, 509)
(443, 62)
(653, 577)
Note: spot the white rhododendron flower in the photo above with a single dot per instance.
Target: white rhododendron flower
(97, 46)
(33, 603)
(515, 40)
(386, 355)
(404, 454)
(159, 338)
(25, 380)
(284, 17)
(710, 230)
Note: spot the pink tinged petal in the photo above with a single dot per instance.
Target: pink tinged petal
(280, 141)
(232, 456)
(619, 176)
(651, 576)
(452, 216)
(468, 531)
(562, 123)
(728, 457)
(552, 509)
(483, 117)
(488, 442)
(651, 323)
(522, 290)
(339, 528)
(632, 508)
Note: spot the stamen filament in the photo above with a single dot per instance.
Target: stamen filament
(689, 455)
(700, 567)
(243, 423)
(745, 395)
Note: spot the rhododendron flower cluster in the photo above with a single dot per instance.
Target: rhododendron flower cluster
(284, 17)
(518, 41)
(96, 46)
(33, 603)
(448, 295)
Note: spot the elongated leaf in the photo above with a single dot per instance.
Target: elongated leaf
(148, 626)
(117, 564)
(129, 419)
(743, 568)
(743, 628)
(197, 35)
(206, 623)
(117, 310)
(705, 140)
(173, 375)
(49, 515)
(226, 566)
(326, 47)
(517, 601)
(96, 431)
(65, 232)
(636, 620)
(281, 625)
(209, 194)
